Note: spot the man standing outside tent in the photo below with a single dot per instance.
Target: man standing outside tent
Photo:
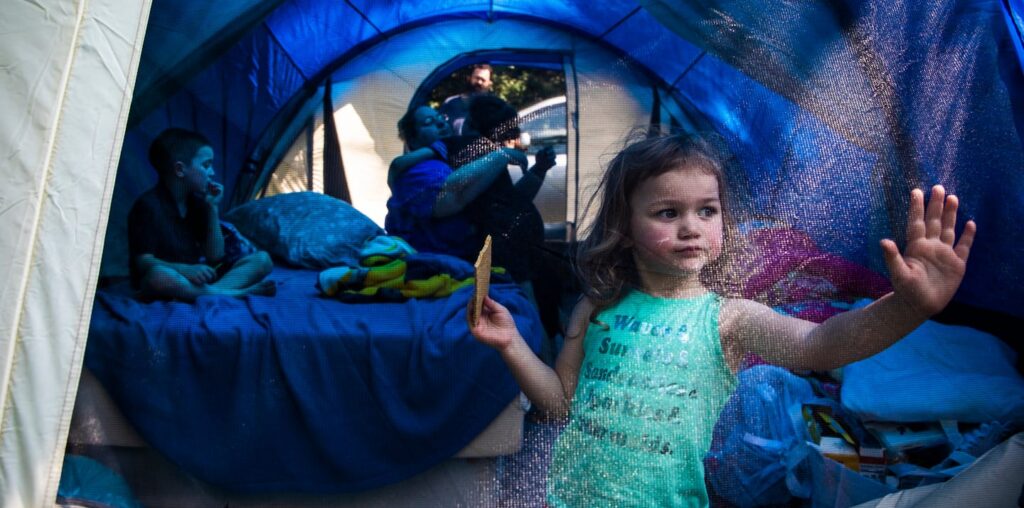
(176, 244)
(456, 107)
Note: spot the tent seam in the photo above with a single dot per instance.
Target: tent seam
(362, 15)
(85, 313)
(619, 23)
(286, 53)
(687, 70)
(47, 164)
(36, 220)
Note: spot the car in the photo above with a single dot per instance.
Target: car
(545, 122)
(542, 125)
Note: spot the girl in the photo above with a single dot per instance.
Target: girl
(652, 350)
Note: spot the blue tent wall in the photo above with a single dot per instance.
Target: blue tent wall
(912, 93)
(834, 111)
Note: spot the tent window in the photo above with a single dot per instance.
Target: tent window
(535, 85)
(300, 169)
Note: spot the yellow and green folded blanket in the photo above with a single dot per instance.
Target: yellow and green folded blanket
(390, 269)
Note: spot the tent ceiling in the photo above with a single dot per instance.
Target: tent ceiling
(182, 39)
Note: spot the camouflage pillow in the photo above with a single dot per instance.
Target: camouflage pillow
(305, 229)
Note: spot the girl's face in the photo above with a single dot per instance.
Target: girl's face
(675, 225)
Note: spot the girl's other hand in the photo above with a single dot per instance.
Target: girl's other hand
(932, 266)
(495, 327)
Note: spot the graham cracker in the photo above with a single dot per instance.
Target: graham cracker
(482, 280)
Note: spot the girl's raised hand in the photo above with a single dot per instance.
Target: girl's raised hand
(928, 273)
(495, 327)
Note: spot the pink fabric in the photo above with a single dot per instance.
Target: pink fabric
(817, 312)
(788, 267)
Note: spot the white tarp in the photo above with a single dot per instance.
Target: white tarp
(68, 70)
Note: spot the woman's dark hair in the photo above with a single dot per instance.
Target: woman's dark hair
(407, 125)
(604, 260)
(493, 118)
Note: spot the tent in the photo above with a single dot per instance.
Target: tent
(834, 110)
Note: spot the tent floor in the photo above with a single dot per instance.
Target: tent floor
(157, 483)
(512, 481)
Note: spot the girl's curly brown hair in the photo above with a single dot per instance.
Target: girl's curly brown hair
(603, 261)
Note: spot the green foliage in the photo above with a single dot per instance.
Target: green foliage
(519, 85)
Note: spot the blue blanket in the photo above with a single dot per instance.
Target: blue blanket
(299, 392)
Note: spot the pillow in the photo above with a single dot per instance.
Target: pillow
(937, 372)
(305, 229)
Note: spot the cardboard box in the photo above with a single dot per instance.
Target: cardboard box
(837, 449)
(903, 436)
(873, 463)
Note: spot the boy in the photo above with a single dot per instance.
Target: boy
(175, 241)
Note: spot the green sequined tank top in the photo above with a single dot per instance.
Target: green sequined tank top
(650, 389)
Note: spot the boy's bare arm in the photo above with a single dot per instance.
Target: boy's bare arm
(196, 274)
(213, 243)
(213, 246)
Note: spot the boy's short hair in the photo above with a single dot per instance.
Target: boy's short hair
(172, 145)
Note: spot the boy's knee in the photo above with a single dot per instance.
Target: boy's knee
(261, 262)
(160, 281)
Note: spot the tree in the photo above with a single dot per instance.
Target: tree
(519, 85)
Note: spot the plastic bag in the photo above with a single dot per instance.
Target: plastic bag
(86, 482)
(760, 451)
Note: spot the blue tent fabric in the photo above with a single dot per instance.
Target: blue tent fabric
(86, 482)
(909, 94)
(834, 110)
(299, 392)
(937, 372)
